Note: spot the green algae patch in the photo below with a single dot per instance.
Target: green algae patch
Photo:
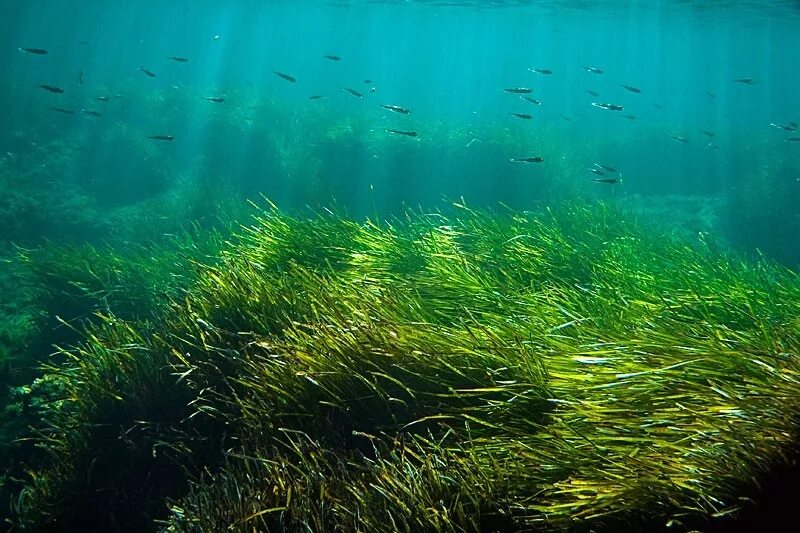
(467, 371)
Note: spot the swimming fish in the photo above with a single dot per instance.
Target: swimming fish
(746, 81)
(215, 99)
(91, 113)
(353, 92)
(593, 70)
(680, 139)
(531, 100)
(332, 58)
(402, 132)
(51, 88)
(708, 133)
(285, 76)
(710, 94)
(523, 116)
(592, 93)
(147, 72)
(527, 159)
(102, 98)
(606, 168)
(315, 97)
(597, 171)
(179, 59)
(631, 89)
(34, 51)
(785, 127)
(396, 109)
(80, 77)
(609, 107)
(792, 139)
(367, 82)
(629, 117)
(519, 90)
(63, 110)
(162, 137)
(540, 70)
(610, 181)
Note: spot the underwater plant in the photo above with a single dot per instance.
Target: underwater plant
(448, 371)
(54, 292)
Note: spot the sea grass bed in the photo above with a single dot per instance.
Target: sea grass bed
(467, 371)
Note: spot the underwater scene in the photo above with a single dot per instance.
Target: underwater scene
(419, 265)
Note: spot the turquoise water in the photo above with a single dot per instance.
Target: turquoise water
(447, 62)
(126, 122)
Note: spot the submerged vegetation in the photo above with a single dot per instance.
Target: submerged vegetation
(461, 370)
(54, 292)
(531, 357)
(456, 371)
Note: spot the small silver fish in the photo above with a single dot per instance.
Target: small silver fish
(519, 90)
(534, 101)
(791, 126)
(606, 168)
(34, 51)
(609, 107)
(353, 92)
(285, 76)
(396, 109)
(51, 89)
(402, 132)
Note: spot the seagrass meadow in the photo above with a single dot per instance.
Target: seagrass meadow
(462, 370)
(377, 266)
